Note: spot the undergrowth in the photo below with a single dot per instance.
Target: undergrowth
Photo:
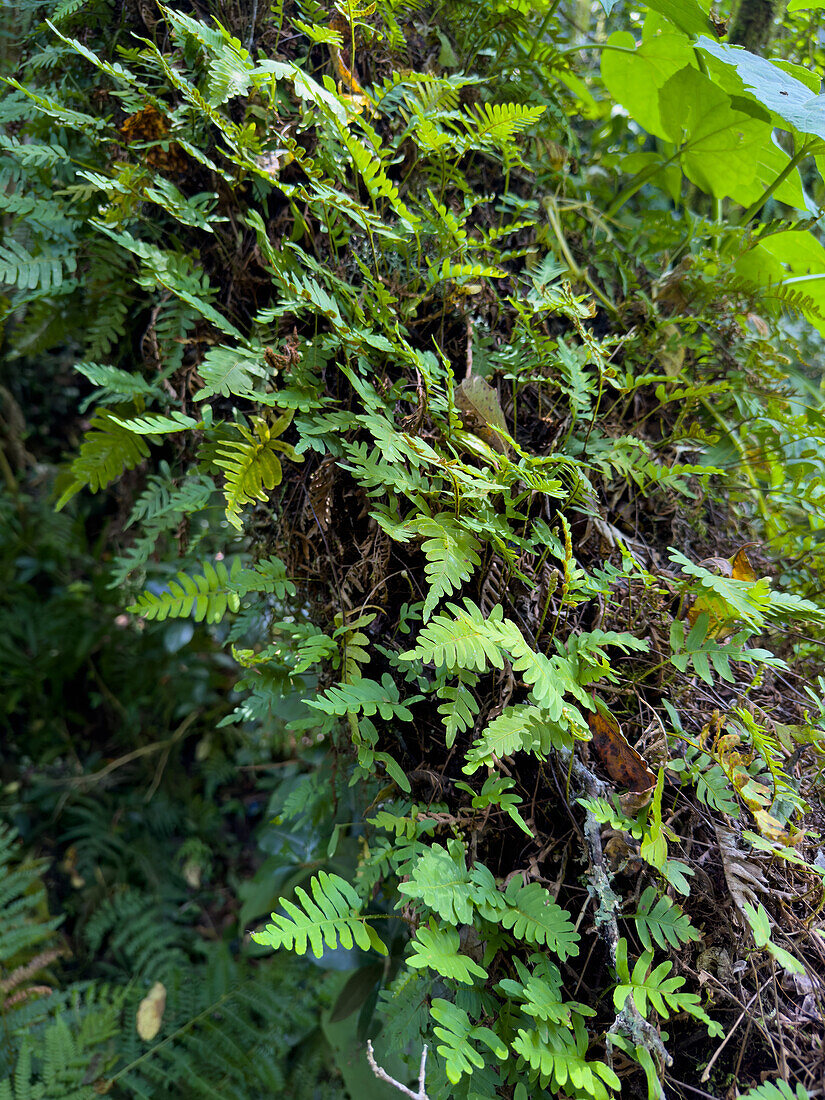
(448, 385)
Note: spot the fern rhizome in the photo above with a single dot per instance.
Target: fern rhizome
(404, 411)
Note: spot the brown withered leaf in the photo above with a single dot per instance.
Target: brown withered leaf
(620, 760)
(149, 125)
(481, 410)
(741, 568)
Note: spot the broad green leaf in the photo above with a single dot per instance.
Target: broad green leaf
(788, 98)
(720, 144)
(688, 15)
(634, 74)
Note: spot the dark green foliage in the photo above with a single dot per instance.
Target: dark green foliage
(428, 401)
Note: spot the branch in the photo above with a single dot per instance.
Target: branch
(382, 1074)
(629, 1020)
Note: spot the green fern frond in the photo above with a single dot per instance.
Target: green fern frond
(663, 993)
(334, 916)
(458, 710)
(115, 384)
(43, 272)
(209, 595)
(451, 553)
(519, 728)
(534, 916)
(457, 1034)
(559, 1055)
(662, 922)
(776, 1090)
(375, 179)
(498, 123)
(367, 697)
(438, 950)
(462, 639)
(251, 467)
(108, 448)
(462, 273)
(230, 371)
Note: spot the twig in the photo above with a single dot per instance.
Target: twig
(382, 1074)
(251, 36)
(724, 1043)
(629, 1020)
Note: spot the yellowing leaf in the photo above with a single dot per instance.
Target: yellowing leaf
(741, 568)
(150, 1012)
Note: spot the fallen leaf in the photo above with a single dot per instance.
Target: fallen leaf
(741, 568)
(479, 403)
(150, 1012)
(621, 761)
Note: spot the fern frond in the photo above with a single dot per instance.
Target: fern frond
(251, 466)
(662, 922)
(43, 272)
(438, 950)
(534, 916)
(560, 1056)
(366, 697)
(108, 448)
(209, 595)
(464, 639)
(498, 123)
(458, 710)
(456, 1032)
(519, 728)
(451, 553)
(230, 371)
(334, 916)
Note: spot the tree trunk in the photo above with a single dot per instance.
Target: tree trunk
(753, 24)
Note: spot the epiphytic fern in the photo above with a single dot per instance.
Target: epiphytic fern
(251, 467)
(210, 594)
(107, 450)
(333, 916)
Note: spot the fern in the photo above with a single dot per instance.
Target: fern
(366, 697)
(108, 448)
(437, 949)
(334, 916)
(519, 728)
(228, 371)
(209, 595)
(466, 640)
(251, 467)
(43, 272)
(661, 921)
(776, 1090)
(498, 123)
(663, 993)
(457, 1035)
(451, 553)
(457, 709)
(535, 918)
(558, 1056)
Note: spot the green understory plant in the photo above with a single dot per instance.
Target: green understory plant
(407, 374)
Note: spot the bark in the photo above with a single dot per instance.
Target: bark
(753, 24)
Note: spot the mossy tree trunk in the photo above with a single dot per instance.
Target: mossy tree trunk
(754, 22)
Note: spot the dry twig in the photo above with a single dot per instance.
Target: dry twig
(382, 1074)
